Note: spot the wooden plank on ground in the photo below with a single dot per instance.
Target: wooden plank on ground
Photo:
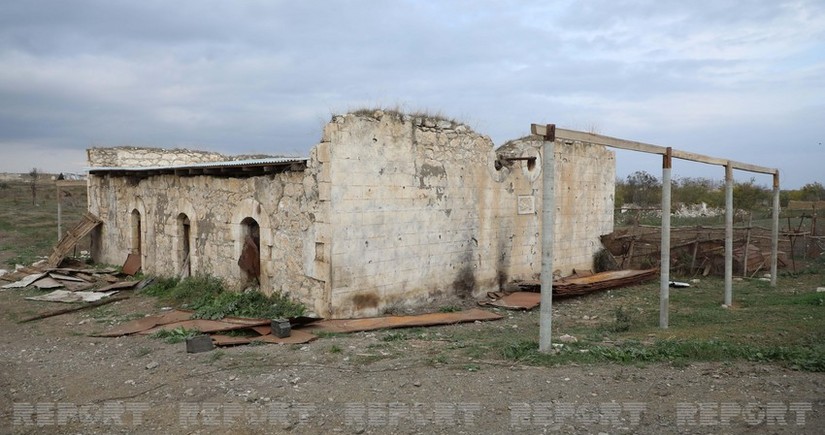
(70, 240)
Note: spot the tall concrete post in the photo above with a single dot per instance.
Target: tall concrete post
(59, 213)
(775, 228)
(664, 264)
(729, 234)
(548, 221)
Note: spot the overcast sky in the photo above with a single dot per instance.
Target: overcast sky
(736, 79)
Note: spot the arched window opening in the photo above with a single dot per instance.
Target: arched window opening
(250, 261)
(184, 250)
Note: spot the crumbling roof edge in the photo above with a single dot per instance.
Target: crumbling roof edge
(223, 164)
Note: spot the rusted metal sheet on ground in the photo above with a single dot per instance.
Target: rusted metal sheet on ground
(132, 264)
(515, 301)
(390, 322)
(146, 323)
(206, 326)
(297, 337)
(70, 239)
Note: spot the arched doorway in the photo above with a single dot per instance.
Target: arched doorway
(136, 233)
(250, 260)
(184, 250)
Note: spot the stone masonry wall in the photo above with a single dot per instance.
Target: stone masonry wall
(283, 205)
(419, 212)
(584, 189)
(149, 157)
(391, 211)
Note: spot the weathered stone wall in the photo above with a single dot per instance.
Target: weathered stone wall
(391, 211)
(420, 211)
(283, 205)
(584, 189)
(149, 157)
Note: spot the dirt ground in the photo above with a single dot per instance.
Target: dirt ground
(57, 379)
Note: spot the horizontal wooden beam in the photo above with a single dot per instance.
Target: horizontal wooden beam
(630, 145)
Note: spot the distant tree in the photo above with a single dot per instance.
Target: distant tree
(812, 192)
(750, 196)
(34, 174)
(689, 190)
(644, 188)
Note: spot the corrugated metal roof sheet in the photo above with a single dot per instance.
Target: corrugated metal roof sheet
(223, 164)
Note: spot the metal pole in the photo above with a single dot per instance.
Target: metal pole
(59, 213)
(729, 235)
(548, 211)
(664, 266)
(775, 232)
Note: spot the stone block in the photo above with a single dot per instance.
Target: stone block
(199, 343)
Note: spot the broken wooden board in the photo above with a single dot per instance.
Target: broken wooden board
(72, 237)
(66, 296)
(390, 322)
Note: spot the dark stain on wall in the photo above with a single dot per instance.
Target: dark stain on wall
(368, 300)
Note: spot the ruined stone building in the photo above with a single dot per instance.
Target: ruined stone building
(388, 210)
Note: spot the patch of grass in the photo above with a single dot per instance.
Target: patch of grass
(160, 287)
(449, 309)
(335, 349)
(395, 336)
(207, 297)
(677, 352)
(177, 335)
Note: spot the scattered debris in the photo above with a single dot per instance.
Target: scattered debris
(70, 297)
(580, 283)
(25, 282)
(678, 284)
(567, 338)
(73, 309)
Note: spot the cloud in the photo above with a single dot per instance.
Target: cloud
(263, 76)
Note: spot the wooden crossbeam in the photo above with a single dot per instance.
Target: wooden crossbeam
(613, 142)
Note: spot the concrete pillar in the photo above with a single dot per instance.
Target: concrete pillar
(548, 221)
(664, 264)
(728, 235)
(775, 228)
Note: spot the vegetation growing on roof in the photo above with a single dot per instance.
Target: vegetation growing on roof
(399, 113)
